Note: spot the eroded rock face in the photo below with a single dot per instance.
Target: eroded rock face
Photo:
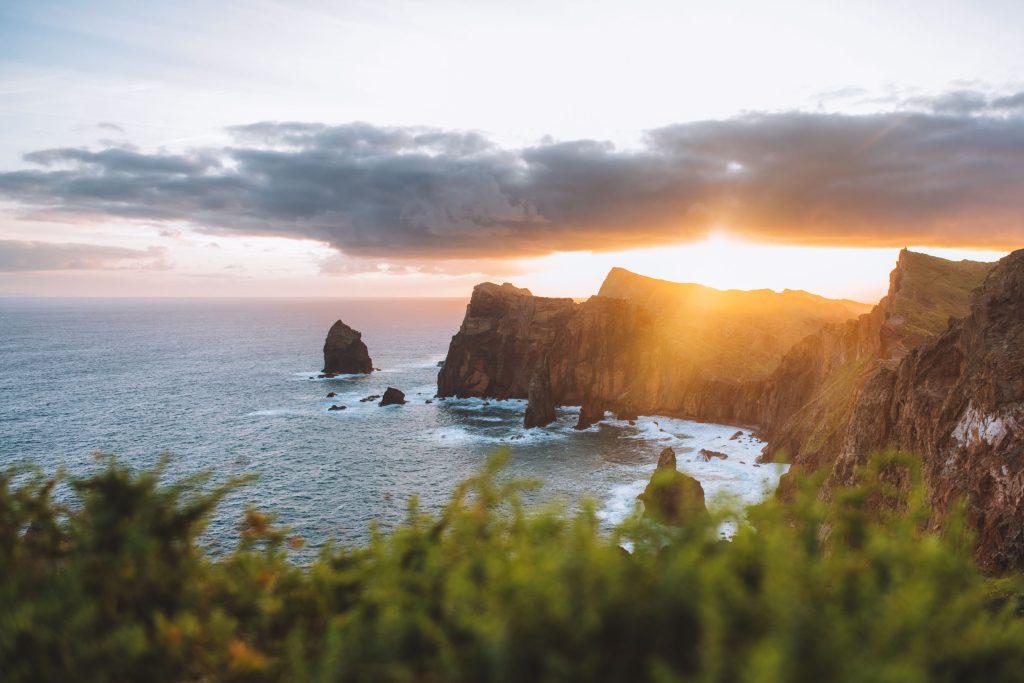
(957, 402)
(540, 408)
(345, 352)
(807, 403)
(672, 497)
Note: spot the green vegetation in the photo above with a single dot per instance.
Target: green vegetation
(115, 586)
(932, 291)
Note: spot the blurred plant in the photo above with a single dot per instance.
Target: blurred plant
(115, 586)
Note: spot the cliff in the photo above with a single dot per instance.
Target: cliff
(807, 403)
(956, 401)
(654, 347)
(732, 334)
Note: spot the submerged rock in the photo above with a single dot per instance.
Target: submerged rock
(708, 454)
(336, 407)
(540, 409)
(672, 497)
(331, 395)
(345, 352)
(392, 397)
(368, 399)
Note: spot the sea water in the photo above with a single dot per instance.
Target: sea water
(232, 387)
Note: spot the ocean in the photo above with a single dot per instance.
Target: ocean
(231, 387)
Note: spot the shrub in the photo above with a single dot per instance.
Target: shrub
(116, 586)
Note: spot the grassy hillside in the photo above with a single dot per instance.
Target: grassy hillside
(733, 334)
(114, 585)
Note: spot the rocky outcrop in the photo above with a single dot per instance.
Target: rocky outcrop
(540, 407)
(609, 353)
(956, 401)
(392, 397)
(591, 412)
(807, 403)
(706, 455)
(345, 352)
(672, 497)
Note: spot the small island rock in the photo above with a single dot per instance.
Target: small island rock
(392, 397)
(345, 352)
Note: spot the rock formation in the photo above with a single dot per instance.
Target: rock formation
(591, 412)
(956, 401)
(540, 407)
(345, 352)
(706, 454)
(805, 406)
(672, 497)
(613, 354)
(392, 397)
(932, 369)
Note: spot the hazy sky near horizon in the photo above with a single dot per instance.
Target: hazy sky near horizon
(415, 148)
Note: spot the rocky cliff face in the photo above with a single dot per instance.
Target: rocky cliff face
(633, 354)
(957, 401)
(806, 405)
(345, 352)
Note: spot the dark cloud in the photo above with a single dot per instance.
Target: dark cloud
(17, 255)
(953, 176)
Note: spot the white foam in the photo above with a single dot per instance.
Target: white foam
(737, 481)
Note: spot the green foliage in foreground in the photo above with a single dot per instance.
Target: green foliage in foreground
(115, 587)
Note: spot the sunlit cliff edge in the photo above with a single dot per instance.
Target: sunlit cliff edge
(814, 375)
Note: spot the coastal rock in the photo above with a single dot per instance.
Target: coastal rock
(331, 394)
(540, 408)
(336, 407)
(956, 401)
(345, 352)
(707, 454)
(368, 399)
(591, 412)
(392, 397)
(672, 497)
(736, 435)
(642, 346)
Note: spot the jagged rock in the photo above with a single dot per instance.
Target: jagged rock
(392, 397)
(331, 394)
(372, 397)
(336, 407)
(672, 497)
(707, 454)
(956, 401)
(666, 459)
(540, 408)
(736, 436)
(345, 352)
(428, 401)
(591, 412)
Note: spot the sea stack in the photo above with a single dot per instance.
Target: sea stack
(540, 407)
(672, 497)
(345, 352)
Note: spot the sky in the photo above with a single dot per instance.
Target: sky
(388, 148)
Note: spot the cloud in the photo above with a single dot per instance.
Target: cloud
(949, 176)
(107, 125)
(17, 256)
